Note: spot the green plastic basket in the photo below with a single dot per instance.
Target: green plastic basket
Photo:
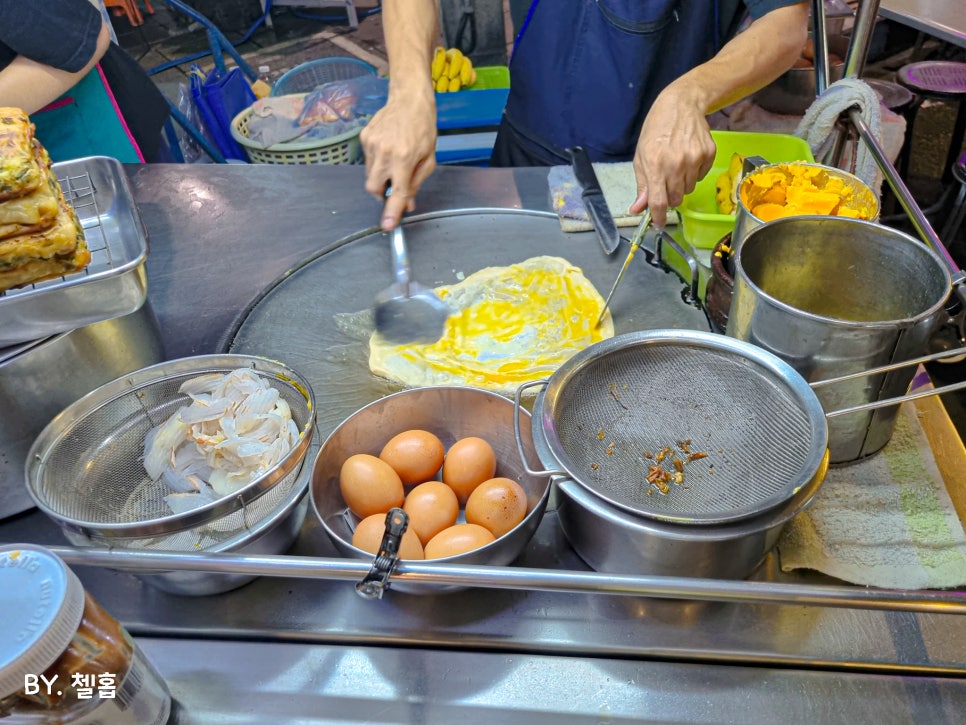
(491, 76)
(702, 225)
(344, 148)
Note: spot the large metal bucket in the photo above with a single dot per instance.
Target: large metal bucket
(833, 296)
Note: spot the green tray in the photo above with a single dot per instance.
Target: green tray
(491, 76)
(701, 223)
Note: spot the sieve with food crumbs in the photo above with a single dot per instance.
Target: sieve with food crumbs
(87, 470)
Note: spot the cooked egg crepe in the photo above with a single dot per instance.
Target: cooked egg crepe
(507, 326)
(20, 171)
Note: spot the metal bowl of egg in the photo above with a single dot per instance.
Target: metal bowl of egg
(197, 454)
(447, 455)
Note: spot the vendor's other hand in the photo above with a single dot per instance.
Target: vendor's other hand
(674, 151)
(399, 144)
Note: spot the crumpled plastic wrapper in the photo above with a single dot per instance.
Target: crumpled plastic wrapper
(331, 110)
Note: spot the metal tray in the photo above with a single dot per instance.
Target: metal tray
(113, 284)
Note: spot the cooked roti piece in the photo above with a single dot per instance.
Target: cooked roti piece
(62, 245)
(32, 213)
(508, 325)
(20, 170)
(38, 270)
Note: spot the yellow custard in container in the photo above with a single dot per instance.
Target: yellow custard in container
(797, 189)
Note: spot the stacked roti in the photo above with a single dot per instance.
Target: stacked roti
(40, 235)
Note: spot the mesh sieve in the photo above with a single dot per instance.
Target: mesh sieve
(610, 411)
(85, 469)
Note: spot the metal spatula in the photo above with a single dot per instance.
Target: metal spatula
(407, 311)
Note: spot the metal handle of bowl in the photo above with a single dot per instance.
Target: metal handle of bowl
(518, 435)
(374, 584)
(886, 368)
(689, 294)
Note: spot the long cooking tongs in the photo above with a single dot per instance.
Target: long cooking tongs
(635, 244)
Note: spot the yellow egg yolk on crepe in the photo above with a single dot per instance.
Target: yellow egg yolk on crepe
(507, 326)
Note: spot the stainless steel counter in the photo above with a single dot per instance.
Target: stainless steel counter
(298, 650)
(939, 18)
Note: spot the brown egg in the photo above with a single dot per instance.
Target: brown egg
(369, 485)
(432, 507)
(368, 537)
(457, 540)
(497, 505)
(468, 463)
(415, 455)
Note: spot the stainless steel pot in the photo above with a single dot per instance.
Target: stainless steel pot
(615, 532)
(39, 379)
(614, 541)
(833, 296)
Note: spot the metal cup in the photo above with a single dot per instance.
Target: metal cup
(862, 197)
(833, 296)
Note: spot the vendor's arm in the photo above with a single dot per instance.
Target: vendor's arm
(675, 149)
(48, 64)
(400, 140)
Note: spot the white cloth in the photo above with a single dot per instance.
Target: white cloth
(819, 120)
(887, 521)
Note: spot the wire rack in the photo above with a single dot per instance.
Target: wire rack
(113, 282)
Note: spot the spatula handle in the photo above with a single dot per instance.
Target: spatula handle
(400, 259)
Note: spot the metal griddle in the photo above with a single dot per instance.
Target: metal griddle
(301, 318)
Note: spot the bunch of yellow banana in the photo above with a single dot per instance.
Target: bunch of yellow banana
(452, 70)
(726, 185)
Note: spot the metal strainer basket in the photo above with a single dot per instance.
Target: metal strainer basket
(747, 430)
(85, 468)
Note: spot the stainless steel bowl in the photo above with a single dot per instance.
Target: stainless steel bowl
(451, 413)
(85, 469)
(794, 90)
(617, 542)
(273, 534)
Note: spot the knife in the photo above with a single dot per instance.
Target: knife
(594, 201)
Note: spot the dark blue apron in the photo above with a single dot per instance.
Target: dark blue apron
(586, 72)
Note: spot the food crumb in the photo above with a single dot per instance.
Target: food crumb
(658, 477)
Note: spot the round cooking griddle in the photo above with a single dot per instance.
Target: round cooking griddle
(316, 318)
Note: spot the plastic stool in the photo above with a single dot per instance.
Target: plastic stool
(893, 96)
(941, 80)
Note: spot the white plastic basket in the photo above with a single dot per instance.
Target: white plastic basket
(341, 149)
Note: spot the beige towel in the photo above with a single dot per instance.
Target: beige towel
(618, 183)
(886, 522)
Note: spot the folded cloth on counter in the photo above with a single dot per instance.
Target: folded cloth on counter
(619, 185)
(887, 521)
(819, 120)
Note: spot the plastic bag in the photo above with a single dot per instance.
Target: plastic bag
(219, 98)
(332, 109)
(190, 149)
